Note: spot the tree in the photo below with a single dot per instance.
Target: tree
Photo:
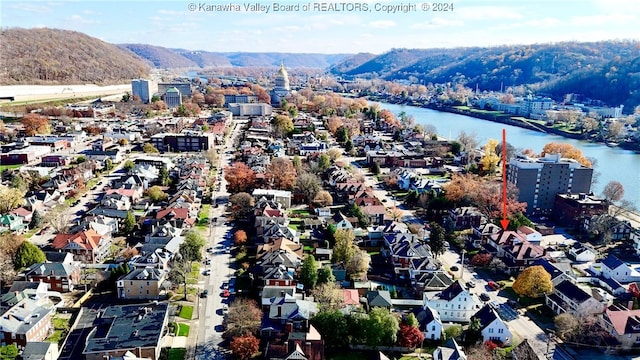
(325, 275)
(27, 255)
(191, 247)
(9, 352)
(128, 165)
(10, 198)
(355, 210)
(375, 168)
(36, 220)
(308, 185)
(358, 265)
(212, 156)
(453, 331)
(481, 260)
(180, 270)
(148, 148)
(156, 194)
(129, 223)
(240, 237)
(566, 150)
(382, 327)
(241, 205)
(334, 153)
(469, 143)
(281, 173)
(243, 347)
(123, 142)
(324, 162)
(323, 198)
(282, 124)
(342, 135)
(297, 163)
(490, 159)
(437, 238)
(243, 318)
(239, 177)
(329, 296)
(59, 218)
(411, 320)
(613, 191)
(533, 282)
(409, 336)
(395, 214)
(566, 325)
(309, 272)
(497, 265)
(163, 176)
(344, 247)
(35, 124)
(332, 325)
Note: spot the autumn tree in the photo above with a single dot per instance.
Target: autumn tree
(241, 205)
(481, 260)
(334, 153)
(358, 265)
(281, 173)
(243, 318)
(308, 185)
(309, 272)
(10, 198)
(197, 98)
(395, 213)
(27, 255)
(566, 150)
(59, 218)
(282, 125)
(334, 123)
(613, 191)
(244, 347)
(328, 296)
(534, 281)
(344, 247)
(409, 336)
(35, 124)
(323, 198)
(148, 148)
(240, 237)
(490, 159)
(239, 177)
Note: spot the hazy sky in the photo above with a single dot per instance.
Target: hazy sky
(357, 27)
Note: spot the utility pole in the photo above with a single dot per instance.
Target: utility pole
(549, 354)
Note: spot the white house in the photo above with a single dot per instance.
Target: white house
(614, 268)
(492, 327)
(429, 323)
(582, 253)
(454, 303)
(568, 297)
(449, 351)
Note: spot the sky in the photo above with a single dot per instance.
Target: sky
(331, 27)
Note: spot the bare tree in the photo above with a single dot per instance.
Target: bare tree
(59, 218)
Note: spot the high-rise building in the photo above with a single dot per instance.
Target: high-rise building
(144, 89)
(172, 97)
(540, 179)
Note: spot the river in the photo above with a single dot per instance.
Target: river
(613, 163)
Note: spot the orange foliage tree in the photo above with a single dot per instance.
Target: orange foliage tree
(35, 124)
(281, 174)
(240, 237)
(567, 151)
(240, 178)
(243, 347)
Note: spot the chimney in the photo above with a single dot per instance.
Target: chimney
(630, 305)
(279, 310)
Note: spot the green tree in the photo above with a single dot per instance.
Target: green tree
(324, 162)
(411, 320)
(36, 220)
(456, 147)
(129, 223)
(192, 246)
(309, 272)
(128, 165)
(163, 176)
(282, 124)
(355, 210)
(382, 327)
(148, 148)
(344, 247)
(437, 239)
(108, 164)
(297, 163)
(342, 135)
(9, 352)
(325, 275)
(156, 194)
(332, 325)
(348, 146)
(375, 168)
(453, 331)
(27, 255)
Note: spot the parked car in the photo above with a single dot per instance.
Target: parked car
(484, 297)
(204, 293)
(225, 293)
(206, 272)
(454, 268)
(493, 285)
(471, 284)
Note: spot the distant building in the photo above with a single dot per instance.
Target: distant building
(250, 109)
(535, 107)
(572, 209)
(240, 99)
(183, 87)
(281, 88)
(144, 89)
(540, 179)
(190, 141)
(173, 97)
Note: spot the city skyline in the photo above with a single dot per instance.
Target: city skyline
(256, 26)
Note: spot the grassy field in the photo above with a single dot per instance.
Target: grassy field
(186, 312)
(183, 330)
(60, 329)
(9, 167)
(177, 354)
(203, 215)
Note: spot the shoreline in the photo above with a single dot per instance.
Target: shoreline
(510, 120)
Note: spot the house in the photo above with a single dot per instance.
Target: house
(375, 213)
(613, 268)
(12, 223)
(118, 329)
(280, 196)
(582, 253)
(449, 351)
(568, 297)
(23, 289)
(289, 310)
(306, 344)
(142, 283)
(524, 351)
(341, 222)
(26, 321)
(429, 323)
(557, 275)
(623, 324)
(492, 327)
(58, 276)
(455, 303)
(431, 281)
(39, 350)
(521, 255)
(278, 276)
(86, 246)
(378, 298)
(464, 218)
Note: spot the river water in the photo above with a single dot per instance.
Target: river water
(613, 163)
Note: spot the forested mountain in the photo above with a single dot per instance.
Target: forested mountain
(176, 58)
(38, 56)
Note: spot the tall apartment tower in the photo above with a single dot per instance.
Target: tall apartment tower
(540, 179)
(144, 89)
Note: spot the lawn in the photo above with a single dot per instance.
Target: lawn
(8, 167)
(186, 312)
(60, 329)
(183, 330)
(177, 354)
(203, 215)
(300, 212)
(351, 355)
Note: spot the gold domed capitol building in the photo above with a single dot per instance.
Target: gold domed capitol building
(281, 88)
